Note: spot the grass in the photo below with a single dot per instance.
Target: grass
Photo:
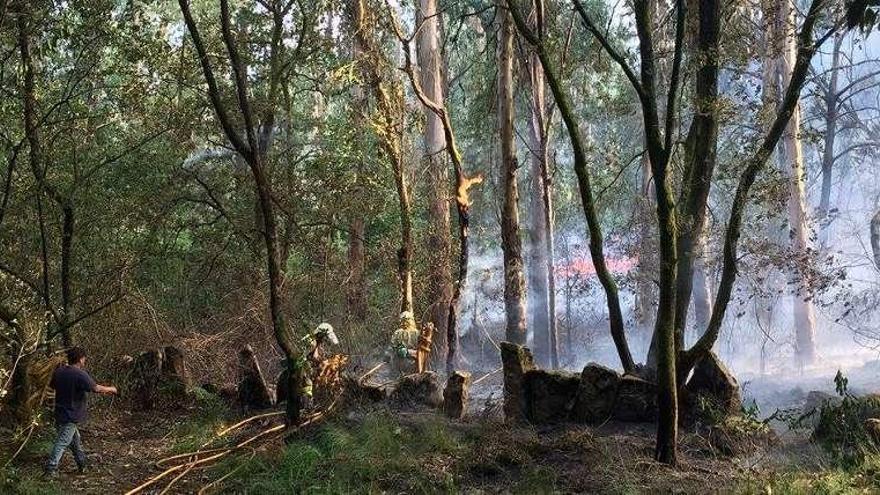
(196, 430)
(380, 455)
(16, 482)
(833, 479)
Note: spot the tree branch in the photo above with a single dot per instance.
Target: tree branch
(213, 89)
(614, 54)
(240, 72)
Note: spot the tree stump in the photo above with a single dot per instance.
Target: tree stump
(253, 393)
(146, 374)
(516, 361)
(174, 364)
(455, 395)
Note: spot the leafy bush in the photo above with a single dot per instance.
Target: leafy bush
(841, 427)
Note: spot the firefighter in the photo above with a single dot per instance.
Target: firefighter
(310, 363)
(405, 345)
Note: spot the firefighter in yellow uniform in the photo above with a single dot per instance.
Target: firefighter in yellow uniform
(405, 345)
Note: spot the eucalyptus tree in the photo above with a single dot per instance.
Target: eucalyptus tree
(511, 242)
(541, 265)
(431, 63)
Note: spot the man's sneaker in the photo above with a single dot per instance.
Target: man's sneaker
(50, 473)
(82, 469)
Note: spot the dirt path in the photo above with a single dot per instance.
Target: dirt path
(121, 447)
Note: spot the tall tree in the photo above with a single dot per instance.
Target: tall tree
(585, 190)
(254, 150)
(388, 123)
(511, 244)
(430, 62)
(541, 277)
(357, 285)
(463, 183)
(780, 17)
(831, 98)
(700, 158)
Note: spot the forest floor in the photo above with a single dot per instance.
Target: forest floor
(121, 447)
(374, 449)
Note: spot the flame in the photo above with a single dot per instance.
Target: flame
(583, 266)
(465, 184)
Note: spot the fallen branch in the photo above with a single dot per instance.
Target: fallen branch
(487, 375)
(242, 423)
(184, 468)
(486, 333)
(176, 478)
(368, 373)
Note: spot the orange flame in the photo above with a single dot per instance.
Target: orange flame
(462, 196)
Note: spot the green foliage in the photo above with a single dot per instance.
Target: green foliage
(377, 456)
(199, 428)
(863, 477)
(14, 481)
(841, 427)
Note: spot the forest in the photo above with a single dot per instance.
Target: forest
(439, 246)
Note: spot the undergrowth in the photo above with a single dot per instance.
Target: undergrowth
(380, 455)
(860, 478)
(210, 415)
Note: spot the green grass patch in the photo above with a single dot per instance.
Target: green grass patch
(200, 428)
(14, 481)
(839, 479)
(378, 455)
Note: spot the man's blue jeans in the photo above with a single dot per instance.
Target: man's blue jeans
(68, 436)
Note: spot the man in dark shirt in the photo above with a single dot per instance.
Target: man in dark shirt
(71, 383)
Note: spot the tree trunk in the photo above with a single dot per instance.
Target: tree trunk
(792, 167)
(357, 286)
(542, 280)
(831, 97)
(404, 254)
(615, 314)
(67, 232)
(702, 289)
(700, 158)
(430, 64)
(645, 299)
(511, 244)
(538, 266)
(875, 238)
